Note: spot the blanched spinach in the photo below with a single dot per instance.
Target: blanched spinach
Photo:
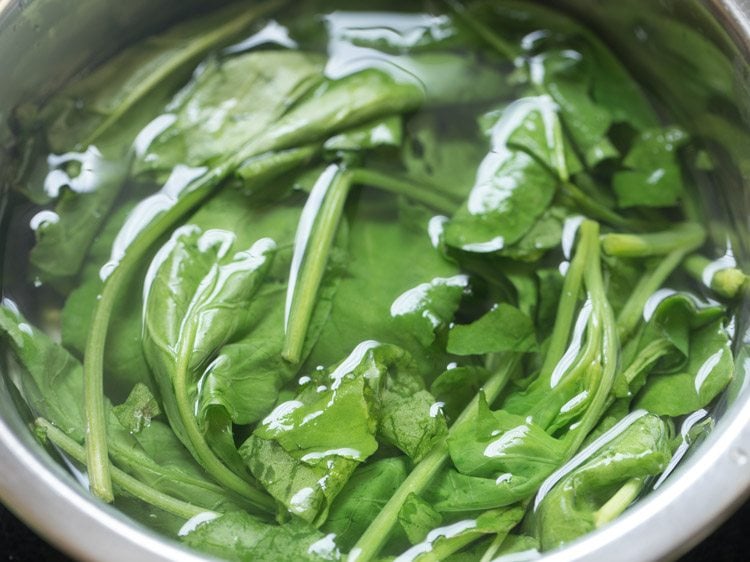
(423, 281)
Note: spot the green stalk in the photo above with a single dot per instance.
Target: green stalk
(422, 193)
(654, 244)
(129, 484)
(311, 254)
(596, 210)
(217, 469)
(631, 313)
(619, 502)
(369, 544)
(603, 323)
(495, 545)
(566, 309)
(507, 49)
(93, 364)
(727, 282)
(650, 354)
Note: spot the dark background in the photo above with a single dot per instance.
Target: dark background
(728, 544)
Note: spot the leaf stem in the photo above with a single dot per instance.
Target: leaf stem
(312, 246)
(93, 364)
(596, 210)
(373, 539)
(619, 502)
(653, 244)
(122, 479)
(566, 309)
(631, 313)
(423, 193)
(603, 321)
(727, 281)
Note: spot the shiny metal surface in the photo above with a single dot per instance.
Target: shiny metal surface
(44, 42)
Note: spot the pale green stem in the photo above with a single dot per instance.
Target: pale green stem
(727, 282)
(122, 479)
(314, 254)
(425, 194)
(653, 244)
(619, 502)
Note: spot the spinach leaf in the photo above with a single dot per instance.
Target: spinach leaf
(303, 441)
(417, 518)
(139, 409)
(444, 541)
(362, 498)
(664, 342)
(602, 487)
(504, 328)
(370, 272)
(197, 292)
(51, 380)
(652, 176)
(709, 369)
(457, 386)
(429, 307)
(100, 115)
(499, 443)
(239, 537)
(209, 117)
(512, 189)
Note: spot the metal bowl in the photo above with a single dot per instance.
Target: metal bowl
(43, 43)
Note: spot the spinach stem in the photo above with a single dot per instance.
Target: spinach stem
(129, 484)
(315, 235)
(369, 544)
(505, 48)
(566, 309)
(208, 459)
(495, 545)
(426, 194)
(604, 326)
(93, 364)
(595, 209)
(653, 244)
(631, 313)
(727, 282)
(619, 502)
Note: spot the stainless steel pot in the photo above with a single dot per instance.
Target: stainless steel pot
(45, 42)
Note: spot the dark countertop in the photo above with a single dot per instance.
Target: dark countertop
(730, 543)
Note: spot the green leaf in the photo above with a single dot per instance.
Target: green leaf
(502, 444)
(429, 307)
(198, 289)
(373, 390)
(375, 226)
(306, 490)
(708, 371)
(239, 537)
(504, 328)
(417, 518)
(511, 192)
(139, 409)
(51, 380)
(383, 132)
(362, 498)
(101, 115)
(210, 120)
(456, 387)
(444, 541)
(652, 175)
(576, 504)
